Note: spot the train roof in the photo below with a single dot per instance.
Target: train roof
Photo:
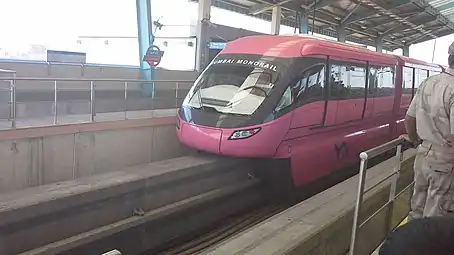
(296, 46)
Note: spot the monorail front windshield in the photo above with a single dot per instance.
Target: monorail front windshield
(233, 86)
(236, 90)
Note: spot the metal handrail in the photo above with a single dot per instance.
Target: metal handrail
(381, 149)
(13, 91)
(394, 176)
(85, 79)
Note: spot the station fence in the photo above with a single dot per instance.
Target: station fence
(31, 101)
(384, 215)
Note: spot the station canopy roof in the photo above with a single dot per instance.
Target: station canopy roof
(396, 22)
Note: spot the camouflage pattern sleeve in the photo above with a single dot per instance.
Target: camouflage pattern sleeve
(449, 98)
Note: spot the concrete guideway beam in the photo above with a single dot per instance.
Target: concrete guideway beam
(93, 208)
(203, 23)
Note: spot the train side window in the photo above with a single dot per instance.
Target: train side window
(407, 87)
(310, 87)
(420, 76)
(373, 82)
(356, 82)
(347, 81)
(348, 87)
(386, 82)
(383, 97)
(286, 100)
(309, 97)
(431, 73)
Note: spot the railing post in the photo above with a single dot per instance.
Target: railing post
(55, 103)
(393, 188)
(126, 100)
(359, 200)
(13, 103)
(92, 101)
(176, 94)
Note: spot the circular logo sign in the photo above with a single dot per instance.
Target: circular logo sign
(153, 56)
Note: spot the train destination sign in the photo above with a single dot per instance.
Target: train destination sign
(153, 56)
(257, 63)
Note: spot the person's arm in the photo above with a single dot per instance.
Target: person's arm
(410, 127)
(410, 121)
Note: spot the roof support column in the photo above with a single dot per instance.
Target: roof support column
(146, 39)
(379, 44)
(406, 51)
(341, 33)
(202, 34)
(304, 22)
(276, 20)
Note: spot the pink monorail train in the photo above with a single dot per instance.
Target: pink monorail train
(313, 103)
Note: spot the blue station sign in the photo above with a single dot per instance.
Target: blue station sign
(216, 45)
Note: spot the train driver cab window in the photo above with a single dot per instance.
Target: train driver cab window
(308, 96)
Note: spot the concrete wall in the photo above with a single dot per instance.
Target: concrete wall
(37, 156)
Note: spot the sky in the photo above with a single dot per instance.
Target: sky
(107, 31)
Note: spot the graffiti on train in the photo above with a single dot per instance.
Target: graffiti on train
(341, 150)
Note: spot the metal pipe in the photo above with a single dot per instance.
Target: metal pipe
(13, 103)
(393, 189)
(383, 148)
(86, 80)
(92, 101)
(126, 100)
(359, 200)
(55, 103)
(176, 94)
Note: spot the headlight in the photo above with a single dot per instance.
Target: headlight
(242, 134)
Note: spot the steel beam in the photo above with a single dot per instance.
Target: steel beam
(294, 5)
(359, 16)
(321, 17)
(350, 13)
